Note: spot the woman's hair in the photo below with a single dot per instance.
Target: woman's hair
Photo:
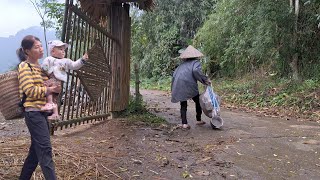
(26, 44)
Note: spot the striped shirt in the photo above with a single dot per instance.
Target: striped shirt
(31, 83)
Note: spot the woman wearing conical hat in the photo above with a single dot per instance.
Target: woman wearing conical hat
(184, 83)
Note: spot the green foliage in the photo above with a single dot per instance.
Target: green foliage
(309, 39)
(299, 99)
(55, 15)
(136, 111)
(242, 37)
(51, 12)
(148, 118)
(157, 36)
(136, 106)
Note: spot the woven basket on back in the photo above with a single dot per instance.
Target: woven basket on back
(9, 95)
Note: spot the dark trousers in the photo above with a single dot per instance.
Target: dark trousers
(40, 151)
(183, 109)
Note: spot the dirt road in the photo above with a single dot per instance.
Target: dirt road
(247, 147)
(253, 147)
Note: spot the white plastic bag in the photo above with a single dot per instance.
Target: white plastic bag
(210, 105)
(205, 103)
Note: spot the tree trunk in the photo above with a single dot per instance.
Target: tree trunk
(45, 35)
(295, 57)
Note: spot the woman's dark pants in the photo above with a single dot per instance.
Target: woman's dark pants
(183, 109)
(40, 151)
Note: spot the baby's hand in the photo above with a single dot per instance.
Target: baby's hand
(85, 57)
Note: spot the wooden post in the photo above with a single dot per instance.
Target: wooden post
(120, 63)
(137, 92)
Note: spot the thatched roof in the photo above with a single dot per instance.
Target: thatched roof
(98, 9)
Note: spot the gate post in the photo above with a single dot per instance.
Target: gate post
(120, 23)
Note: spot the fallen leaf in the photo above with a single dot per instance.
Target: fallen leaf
(312, 142)
(135, 161)
(203, 160)
(186, 175)
(239, 154)
(153, 171)
(164, 162)
(203, 173)
(122, 169)
(103, 141)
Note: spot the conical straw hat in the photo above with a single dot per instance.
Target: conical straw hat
(190, 52)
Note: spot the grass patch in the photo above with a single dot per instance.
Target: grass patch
(163, 84)
(137, 112)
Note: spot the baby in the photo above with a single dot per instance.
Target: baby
(56, 67)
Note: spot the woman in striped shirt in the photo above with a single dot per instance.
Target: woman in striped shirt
(31, 86)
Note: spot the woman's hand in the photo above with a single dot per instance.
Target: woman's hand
(208, 82)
